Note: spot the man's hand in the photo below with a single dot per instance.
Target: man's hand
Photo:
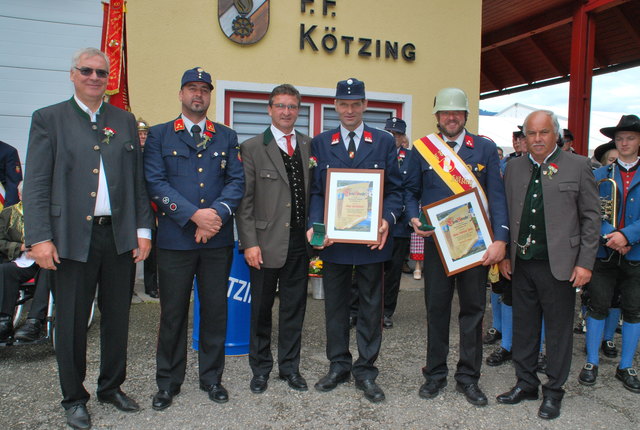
(207, 219)
(384, 233)
(202, 236)
(580, 276)
(326, 242)
(415, 222)
(505, 268)
(616, 241)
(45, 254)
(495, 253)
(142, 251)
(253, 255)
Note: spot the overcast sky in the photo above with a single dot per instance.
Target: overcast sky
(612, 92)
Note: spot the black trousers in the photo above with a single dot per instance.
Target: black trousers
(151, 268)
(176, 270)
(291, 281)
(613, 277)
(11, 277)
(40, 301)
(537, 292)
(471, 285)
(74, 290)
(393, 274)
(337, 293)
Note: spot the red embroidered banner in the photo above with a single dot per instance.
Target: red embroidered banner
(114, 46)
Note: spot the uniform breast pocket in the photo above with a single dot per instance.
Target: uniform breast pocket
(219, 161)
(375, 164)
(267, 174)
(568, 187)
(176, 161)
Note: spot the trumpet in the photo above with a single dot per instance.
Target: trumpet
(609, 207)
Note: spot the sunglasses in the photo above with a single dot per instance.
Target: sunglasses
(88, 71)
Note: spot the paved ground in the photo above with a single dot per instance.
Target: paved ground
(29, 391)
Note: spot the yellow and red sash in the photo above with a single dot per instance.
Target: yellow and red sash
(449, 166)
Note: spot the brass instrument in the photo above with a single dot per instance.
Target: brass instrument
(609, 207)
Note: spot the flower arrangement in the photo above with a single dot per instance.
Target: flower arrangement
(108, 133)
(206, 138)
(552, 170)
(315, 267)
(313, 162)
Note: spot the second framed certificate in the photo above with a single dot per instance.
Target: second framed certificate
(462, 230)
(353, 205)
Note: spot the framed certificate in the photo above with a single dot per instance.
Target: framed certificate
(462, 230)
(353, 205)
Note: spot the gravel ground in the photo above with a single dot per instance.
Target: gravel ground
(30, 394)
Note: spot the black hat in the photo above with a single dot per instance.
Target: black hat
(396, 124)
(599, 152)
(351, 89)
(197, 74)
(627, 123)
(518, 133)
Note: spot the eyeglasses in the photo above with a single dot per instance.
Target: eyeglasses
(88, 71)
(284, 106)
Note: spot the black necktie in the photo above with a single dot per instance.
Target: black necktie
(195, 131)
(451, 143)
(352, 145)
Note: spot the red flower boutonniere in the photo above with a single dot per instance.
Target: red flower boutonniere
(206, 138)
(313, 162)
(108, 134)
(401, 154)
(551, 170)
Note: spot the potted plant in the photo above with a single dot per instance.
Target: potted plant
(315, 277)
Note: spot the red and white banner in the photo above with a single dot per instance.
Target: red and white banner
(114, 46)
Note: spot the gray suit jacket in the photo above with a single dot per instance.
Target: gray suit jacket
(571, 211)
(265, 211)
(61, 182)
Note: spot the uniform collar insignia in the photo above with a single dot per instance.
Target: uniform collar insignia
(335, 138)
(367, 136)
(468, 141)
(209, 126)
(178, 125)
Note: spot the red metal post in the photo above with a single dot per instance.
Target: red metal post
(581, 70)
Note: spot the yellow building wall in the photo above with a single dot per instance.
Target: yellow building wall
(167, 37)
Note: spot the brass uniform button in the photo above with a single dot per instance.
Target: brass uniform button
(89, 217)
(200, 169)
(96, 148)
(95, 171)
(93, 194)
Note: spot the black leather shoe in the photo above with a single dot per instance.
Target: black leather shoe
(542, 363)
(609, 348)
(30, 330)
(387, 322)
(6, 328)
(353, 320)
(431, 388)
(217, 392)
(472, 393)
(153, 294)
(406, 268)
(492, 336)
(120, 400)
(372, 391)
(516, 395)
(163, 399)
(498, 357)
(295, 381)
(331, 381)
(588, 375)
(258, 384)
(629, 378)
(78, 417)
(550, 408)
